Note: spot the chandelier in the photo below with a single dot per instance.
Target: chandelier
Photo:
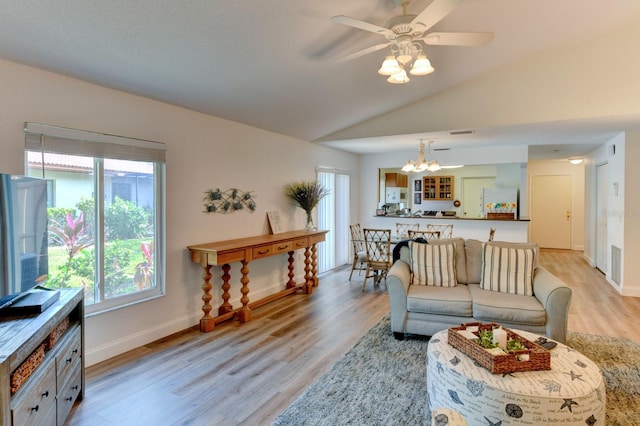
(421, 164)
(405, 53)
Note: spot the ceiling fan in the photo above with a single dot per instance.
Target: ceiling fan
(404, 34)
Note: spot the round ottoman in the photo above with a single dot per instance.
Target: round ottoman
(572, 392)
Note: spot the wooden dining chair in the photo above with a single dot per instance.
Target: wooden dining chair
(446, 231)
(378, 247)
(359, 250)
(402, 229)
(427, 235)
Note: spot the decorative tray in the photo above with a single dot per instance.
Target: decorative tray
(532, 357)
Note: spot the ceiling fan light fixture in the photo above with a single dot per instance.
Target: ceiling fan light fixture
(421, 66)
(389, 66)
(399, 77)
(576, 160)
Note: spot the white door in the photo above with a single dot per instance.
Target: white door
(551, 211)
(602, 179)
(472, 195)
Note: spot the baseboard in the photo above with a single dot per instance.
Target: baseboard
(132, 341)
(589, 260)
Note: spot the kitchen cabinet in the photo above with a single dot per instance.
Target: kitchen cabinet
(437, 187)
(396, 180)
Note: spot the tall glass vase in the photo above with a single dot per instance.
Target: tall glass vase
(309, 226)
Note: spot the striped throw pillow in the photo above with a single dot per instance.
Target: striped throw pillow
(433, 264)
(508, 269)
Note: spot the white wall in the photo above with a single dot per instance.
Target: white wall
(203, 152)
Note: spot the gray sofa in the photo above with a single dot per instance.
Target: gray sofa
(427, 309)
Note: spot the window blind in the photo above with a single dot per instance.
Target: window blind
(61, 140)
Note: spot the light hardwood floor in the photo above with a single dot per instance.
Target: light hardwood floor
(249, 373)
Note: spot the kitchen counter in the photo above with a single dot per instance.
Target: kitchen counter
(475, 228)
(451, 218)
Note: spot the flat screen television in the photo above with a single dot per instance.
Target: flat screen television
(23, 237)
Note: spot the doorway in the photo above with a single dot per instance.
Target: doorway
(551, 211)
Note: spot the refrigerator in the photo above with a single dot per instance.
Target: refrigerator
(500, 200)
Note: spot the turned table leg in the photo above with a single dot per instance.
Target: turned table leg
(314, 265)
(207, 321)
(244, 314)
(291, 283)
(226, 306)
(308, 281)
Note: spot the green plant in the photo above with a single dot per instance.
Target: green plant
(306, 195)
(71, 235)
(124, 220)
(144, 270)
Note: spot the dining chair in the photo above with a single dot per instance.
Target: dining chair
(427, 235)
(359, 250)
(402, 229)
(446, 231)
(378, 247)
(492, 232)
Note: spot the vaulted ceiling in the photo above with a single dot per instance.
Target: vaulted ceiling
(272, 64)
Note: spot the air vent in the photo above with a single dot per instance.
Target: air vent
(616, 264)
(461, 132)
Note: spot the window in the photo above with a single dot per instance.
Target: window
(333, 215)
(106, 224)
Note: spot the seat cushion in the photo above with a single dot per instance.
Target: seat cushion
(455, 301)
(495, 306)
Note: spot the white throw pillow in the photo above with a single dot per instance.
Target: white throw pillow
(508, 269)
(433, 264)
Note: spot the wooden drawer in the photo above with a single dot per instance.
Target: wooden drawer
(68, 355)
(283, 247)
(33, 401)
(68, 393)
(300, 243)
(263, 251)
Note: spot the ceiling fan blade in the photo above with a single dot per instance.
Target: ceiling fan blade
(433, 13)
(458, 39)
(361, 25)
(363, 52)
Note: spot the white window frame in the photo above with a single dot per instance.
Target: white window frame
(46, 138)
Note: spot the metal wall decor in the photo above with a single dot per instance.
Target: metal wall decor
(229, 201)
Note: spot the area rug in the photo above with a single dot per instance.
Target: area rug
(381, 381)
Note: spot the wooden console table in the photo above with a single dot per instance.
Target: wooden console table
(245, 250)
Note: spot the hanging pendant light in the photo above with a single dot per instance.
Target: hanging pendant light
(421, 164)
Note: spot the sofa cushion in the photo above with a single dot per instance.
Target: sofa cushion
(474, 249)
(455, 301)
(433, 264)
(461, 258)
(508, 269)
(504, 307)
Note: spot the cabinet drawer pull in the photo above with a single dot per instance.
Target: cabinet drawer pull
(70, 398)
(69, 359)
(263, 251)
(75, 351)
(36, 408)
(45, 394)
(74, 387)
(282, 247)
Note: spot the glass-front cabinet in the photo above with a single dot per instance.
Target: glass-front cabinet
(437, 187)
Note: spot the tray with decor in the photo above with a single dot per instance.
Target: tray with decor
(513, 354)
